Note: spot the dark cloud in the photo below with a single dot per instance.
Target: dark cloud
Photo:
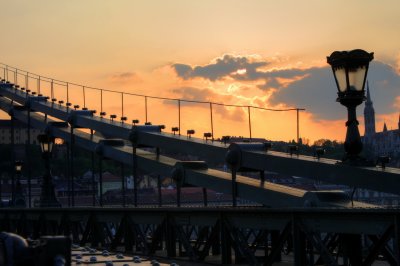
(313, 88)
(270, 83)
(183, 71)
(317, 92)
(229, 65)
(223, 67)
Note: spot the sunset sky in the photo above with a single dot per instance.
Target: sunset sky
(269, 54)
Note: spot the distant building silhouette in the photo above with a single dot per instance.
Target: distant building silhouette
(386, 142)
(20, 133)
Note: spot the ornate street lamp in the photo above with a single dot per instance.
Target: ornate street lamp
(19, 197)
(47, 196)
(350, 71)
(18, 167)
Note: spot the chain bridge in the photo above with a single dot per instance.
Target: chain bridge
(308, 227)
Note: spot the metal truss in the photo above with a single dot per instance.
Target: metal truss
(256, 236)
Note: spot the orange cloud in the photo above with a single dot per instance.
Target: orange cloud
(124, 78)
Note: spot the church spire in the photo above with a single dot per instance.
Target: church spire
(369, 116)
(384, 127)
(399, 122)
(368, 95)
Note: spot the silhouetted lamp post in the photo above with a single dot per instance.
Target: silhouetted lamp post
(47, 196)
(350, 71)
(18, 196)
(18, 167)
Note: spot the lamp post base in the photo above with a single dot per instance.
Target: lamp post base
(47, 195)
(19, 196)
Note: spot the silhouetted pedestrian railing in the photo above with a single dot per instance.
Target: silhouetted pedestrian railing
(62, 92)
(251, 236)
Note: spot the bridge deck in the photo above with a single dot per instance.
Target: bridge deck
(266, 193)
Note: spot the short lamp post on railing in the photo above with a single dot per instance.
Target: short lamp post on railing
(47, 196)
(18, 196)
(350, 70)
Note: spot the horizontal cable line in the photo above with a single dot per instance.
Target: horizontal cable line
(65, 83)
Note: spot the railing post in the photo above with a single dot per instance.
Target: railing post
(101, 101)
(27, 80)
(170, 237)
(52, 89)
(67, 92)
(179, 117)
(212, 123)
(16, 77)
(145, 107)
(298, 128)
(226, 244)
(122, 104)
(248, 110)
(299, 242)
(84, 96)
(38, 85)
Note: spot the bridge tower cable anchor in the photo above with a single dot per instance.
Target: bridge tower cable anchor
(179, 175)
(100, 150)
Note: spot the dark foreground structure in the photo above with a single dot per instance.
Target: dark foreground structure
(253, 236)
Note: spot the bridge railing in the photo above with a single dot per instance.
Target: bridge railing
(138, 106)
(252, 236)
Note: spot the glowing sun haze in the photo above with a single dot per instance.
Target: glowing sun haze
(270, 54)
